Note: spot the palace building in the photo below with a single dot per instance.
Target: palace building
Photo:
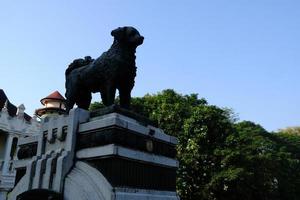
(107, 154)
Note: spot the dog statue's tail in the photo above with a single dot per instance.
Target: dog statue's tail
(77, 63)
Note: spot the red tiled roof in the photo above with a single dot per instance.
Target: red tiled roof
(54, 96)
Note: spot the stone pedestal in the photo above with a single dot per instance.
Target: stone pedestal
(110, 154)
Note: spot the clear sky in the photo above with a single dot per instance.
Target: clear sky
(240, 54)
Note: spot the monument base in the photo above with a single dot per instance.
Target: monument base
(111, 154)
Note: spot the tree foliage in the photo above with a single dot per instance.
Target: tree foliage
(219, 158)
(291, 130)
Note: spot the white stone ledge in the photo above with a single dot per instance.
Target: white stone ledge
(109, 150)
(21, 163)
(115, 119)
(141, 194)
(30, 139)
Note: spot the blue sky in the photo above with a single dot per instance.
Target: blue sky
(238, 54)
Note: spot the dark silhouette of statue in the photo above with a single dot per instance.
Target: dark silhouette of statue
(114, 69)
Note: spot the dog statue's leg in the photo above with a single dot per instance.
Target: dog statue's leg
(103, 95)
(125, 97)
(84, 100)
(110, 95)
(71, 91)
(69, 105)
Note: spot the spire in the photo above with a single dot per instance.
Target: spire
(5, 107)
(20, 110)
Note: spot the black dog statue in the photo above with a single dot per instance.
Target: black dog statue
(114, 69)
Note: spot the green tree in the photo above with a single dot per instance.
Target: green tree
(290, 130)
(257, 165)
(204, 134)
(168, 108)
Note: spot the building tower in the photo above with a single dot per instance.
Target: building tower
(54, 104)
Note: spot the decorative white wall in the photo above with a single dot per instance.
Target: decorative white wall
(11, 129)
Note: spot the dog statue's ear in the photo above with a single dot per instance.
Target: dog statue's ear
(118, 33)
(115, 32)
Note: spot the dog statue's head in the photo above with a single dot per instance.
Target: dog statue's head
(128, 35)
